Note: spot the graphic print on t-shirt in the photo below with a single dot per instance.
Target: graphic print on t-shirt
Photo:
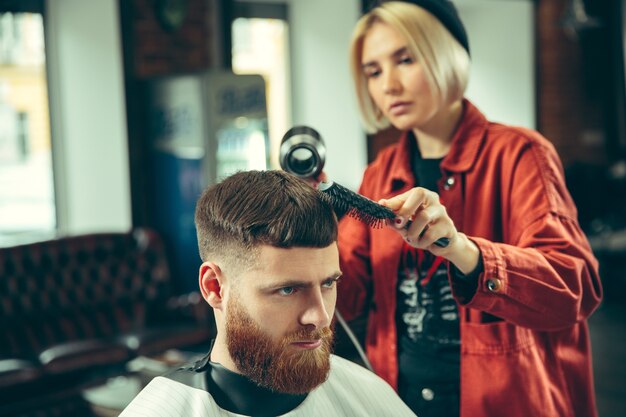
(427, 312)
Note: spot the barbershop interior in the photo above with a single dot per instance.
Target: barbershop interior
(116, 114)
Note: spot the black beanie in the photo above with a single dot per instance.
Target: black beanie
(447, 14)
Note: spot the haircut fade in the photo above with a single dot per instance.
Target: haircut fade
(254, 208)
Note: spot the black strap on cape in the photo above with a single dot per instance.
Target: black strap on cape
(234, 392)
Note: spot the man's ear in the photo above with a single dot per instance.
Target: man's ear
(211, 280)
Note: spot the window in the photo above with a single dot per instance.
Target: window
(27, 205)
(260, 45)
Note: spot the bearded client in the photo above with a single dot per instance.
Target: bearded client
(270, 270)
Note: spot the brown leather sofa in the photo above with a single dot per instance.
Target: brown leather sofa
(75, 310)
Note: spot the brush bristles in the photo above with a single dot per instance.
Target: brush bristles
(355, 205)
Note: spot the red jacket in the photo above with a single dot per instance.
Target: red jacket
(525, 347)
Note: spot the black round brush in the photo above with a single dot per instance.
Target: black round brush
(348, 202)
(355, 205)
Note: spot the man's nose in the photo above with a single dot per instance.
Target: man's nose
(317, 312)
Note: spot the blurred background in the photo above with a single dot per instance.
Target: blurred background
(115, 114)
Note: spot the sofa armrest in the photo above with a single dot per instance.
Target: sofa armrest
(154, 340)
(83, 354)
(15, 371)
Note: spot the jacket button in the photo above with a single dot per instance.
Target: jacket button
(448, 183)
(428, 394)
(494, 285)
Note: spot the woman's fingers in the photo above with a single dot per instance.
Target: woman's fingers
(432, 234)
(407, 203)
(421, 218)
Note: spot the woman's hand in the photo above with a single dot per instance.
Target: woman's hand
(422, 220)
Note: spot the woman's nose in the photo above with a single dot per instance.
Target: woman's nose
(391, 84)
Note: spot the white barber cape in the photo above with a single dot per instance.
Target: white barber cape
(350, 391)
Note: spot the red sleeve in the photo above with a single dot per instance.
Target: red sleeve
(546, 276)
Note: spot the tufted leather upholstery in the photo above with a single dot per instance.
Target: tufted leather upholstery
(73, 304)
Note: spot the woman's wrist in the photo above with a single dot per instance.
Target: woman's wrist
(465, 254)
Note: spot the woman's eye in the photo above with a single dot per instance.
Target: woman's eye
(407, 60)
(286, 290)
(372, 74)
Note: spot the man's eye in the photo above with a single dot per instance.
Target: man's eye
(286, 290)
(330, 283)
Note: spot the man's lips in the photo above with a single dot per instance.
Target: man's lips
(308, 344)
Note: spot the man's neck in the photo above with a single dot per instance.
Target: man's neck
(220, 354)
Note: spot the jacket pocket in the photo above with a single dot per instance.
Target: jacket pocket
(503, 372)
(494, 338)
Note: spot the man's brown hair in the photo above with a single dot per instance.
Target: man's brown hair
(255, 208)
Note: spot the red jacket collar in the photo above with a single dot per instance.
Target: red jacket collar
(467, 140)
(466, 143)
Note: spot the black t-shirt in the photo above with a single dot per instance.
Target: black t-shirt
(427, 314)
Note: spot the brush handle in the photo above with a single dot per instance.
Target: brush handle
(441, 242)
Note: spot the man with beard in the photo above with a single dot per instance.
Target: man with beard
(270, 269)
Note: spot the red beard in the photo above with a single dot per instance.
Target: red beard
(277, 366)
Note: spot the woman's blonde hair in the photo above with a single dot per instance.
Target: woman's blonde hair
(445, 61)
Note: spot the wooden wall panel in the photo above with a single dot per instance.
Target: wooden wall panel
(158, 50)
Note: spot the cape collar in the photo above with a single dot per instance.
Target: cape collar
(234, 392)
(238, 394)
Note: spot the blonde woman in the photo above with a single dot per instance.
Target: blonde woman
(494, 323)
